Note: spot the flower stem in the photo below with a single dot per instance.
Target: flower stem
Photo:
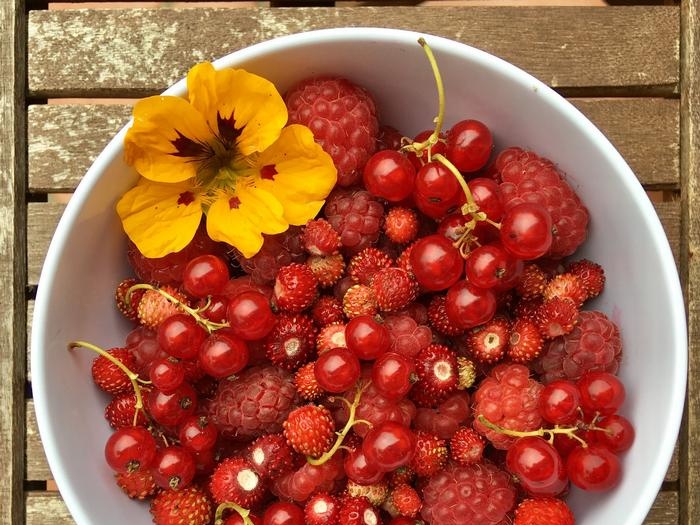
(348, 426)
(208, 325)
(133, 377)
(230, 505)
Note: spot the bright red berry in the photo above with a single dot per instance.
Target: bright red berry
(310, 430)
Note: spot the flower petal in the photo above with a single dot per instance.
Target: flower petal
(304, 173)
(160, 218)
(239, 106)
(242, 217)
(167, 139)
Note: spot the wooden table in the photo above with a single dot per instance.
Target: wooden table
(634, 70)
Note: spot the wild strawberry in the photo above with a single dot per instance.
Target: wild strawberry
(326, 310)
(466, 370)
(359, 300)
(319, 238)
(310, 430)
(394, 289)
(327, 269)
(437, 317)
(525, 341)
(357, 510)
(365, 264)
(532, 282)
(295, 287)
(437, 375)
(235, 479)
(543, 511)
(527, 309)
(292, 341)
(402, 475)
(487, 343)
(108, 376)
(120, 411)
(430, 456)
(404, 259)
(556, 317)
(138, 484)
(331, 336)
(306, 384)
(376, 493)
(154, 308)
(590, 274)
(466, 447)
(566, 286)
(406, 501)
(322, 509)
(270, 456)
(190, 506)
(129, 310)
(401, 225)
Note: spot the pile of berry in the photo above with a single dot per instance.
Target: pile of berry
(418, 353)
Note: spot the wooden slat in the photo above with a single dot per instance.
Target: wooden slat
(690, 264)
(12, 249)
(135, 52)
(664, 511)
(65, 139)
(36, 465)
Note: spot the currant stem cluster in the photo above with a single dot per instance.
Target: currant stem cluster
(230, 505)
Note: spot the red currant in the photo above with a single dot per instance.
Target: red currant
(468, 306)
(437, 190)
(469, 145)
(616, 433)
(172, 409)
(391, 375)
(359, 470)
(215, 310)
(250, 316)
(283, 513)
(436, 263)
(390, 175)
(180, 336)
(205, 275)
(526, 231)
(538, 466)
(367, 338)
(223, 355)
(593, 468)
(601, 393)
(418, 159)
(337, 370)
(389, 446)
(198, 434)
(452, 226)
(487, 196)
(490, 266)
(559, 402)
(173, 468)
(167, 374)
(130, 449)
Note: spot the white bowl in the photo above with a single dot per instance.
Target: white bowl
(86, 258)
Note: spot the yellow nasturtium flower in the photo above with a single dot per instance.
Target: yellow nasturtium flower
(224, 152)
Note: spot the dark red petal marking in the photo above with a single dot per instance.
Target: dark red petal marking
(268, 171)
(234, 202)
(227, 130)
(187, 147)
(186, 198)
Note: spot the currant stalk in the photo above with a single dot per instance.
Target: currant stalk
(230, 505)
(540, 432)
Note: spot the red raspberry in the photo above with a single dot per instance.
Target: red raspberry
(235, 480)
(130, 311)
(365, 264)
(532, 282)
(357, 510)
(154, 308)
(556, 316)
(525, 341)
(331, 336)
(530, 178)
(292, 341)
(310, 430)
(343, 119)
(436, 368)
(591, 275)
(322, 509)
(487, 343)
(508, 397)
(467, 447)
(326, 310)
(120, 411)
(190, 506)
(401, 225)
(138, 484)
(479, 494)
(359, 300)
(108, 376)
(444, 420)
(566, 286)
(326, 269)
(270, 456)
(430, 455)
(300, 484)
(356, 215)
(437, 316)
(406, 501)
(543, 511)
(295, 287)
(407, 336)
(320, 238)
(306, 383)
(593, 345)
(394, 289)
(255, 404)
(277, 251)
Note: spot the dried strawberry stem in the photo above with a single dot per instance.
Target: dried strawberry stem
(133, 376)
(348, 426)
(230, 505)
(541, 432)
(209, 326)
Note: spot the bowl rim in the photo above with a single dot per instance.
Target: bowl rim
(667, 436)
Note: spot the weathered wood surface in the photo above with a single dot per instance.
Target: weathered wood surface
(12, 272)
(65, 139)
(690, 264)
(100, 52)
